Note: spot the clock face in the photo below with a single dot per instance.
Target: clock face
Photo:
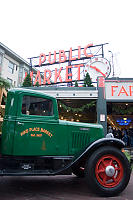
(98, 67)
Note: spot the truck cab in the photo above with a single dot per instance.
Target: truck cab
(32, 127)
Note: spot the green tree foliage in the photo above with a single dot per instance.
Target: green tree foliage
(27, 81)
(4, 83)
(76, 84)
(73, 110)
(37, 84)
(87, 81)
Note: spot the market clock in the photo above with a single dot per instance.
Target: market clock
(98, 67)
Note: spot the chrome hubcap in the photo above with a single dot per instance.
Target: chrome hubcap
(110, 171)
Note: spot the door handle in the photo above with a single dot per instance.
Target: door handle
(19, 123)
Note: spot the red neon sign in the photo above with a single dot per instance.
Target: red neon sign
(61, 58)
(57, 75)
(119, 91)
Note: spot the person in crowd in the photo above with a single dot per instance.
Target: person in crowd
(125, 137)
(115, 133)
(110, 132)
(130, 133)
(119, 133)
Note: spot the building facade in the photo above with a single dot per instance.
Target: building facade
(112, 100)
(12, 66)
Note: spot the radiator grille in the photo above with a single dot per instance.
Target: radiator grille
(80, 139)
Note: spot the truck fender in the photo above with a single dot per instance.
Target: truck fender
(95, 145)
(81, 160)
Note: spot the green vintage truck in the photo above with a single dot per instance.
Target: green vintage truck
(35, 142)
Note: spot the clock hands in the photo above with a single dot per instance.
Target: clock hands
(98, 70)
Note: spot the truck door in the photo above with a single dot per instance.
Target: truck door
(37, 129)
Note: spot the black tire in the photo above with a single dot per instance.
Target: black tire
(79, 172)
(97, 171)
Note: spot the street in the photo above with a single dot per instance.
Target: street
(53, 188)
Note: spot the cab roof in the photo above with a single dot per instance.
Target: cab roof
(18, 91)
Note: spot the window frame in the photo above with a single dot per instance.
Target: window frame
(11, 69)
(34, 116)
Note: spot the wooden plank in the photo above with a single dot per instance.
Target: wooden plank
(1, 95)
(4, 92)
(1, 119)
(2, 106)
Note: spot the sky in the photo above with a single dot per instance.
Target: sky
(31, 27)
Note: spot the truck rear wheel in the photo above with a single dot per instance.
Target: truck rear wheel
(107, 171)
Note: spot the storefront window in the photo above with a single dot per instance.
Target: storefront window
(78, 110)
(120, 120)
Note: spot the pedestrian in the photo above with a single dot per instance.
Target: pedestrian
(130, 132)
(115, 133)
(125, 137)
(110, 133)
(119, 134)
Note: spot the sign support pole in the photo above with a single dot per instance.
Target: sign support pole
(101, 104)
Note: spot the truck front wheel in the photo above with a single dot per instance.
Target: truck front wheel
(107, 171)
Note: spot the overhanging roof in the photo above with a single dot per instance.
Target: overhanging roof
(12, 54)
(69, 92)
